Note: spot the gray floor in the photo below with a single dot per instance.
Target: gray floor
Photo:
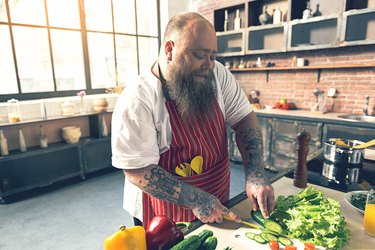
(77, 216)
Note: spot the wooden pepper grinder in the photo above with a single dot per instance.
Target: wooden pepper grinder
(300, 173)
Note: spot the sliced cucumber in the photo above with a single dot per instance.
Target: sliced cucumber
(250, 235)
(285, 241)
(259, 239)
(264, 236)
(273, 226)
(270, 236)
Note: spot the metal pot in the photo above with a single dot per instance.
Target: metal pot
(340, 175)
(343, 154)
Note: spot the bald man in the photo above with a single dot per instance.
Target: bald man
(180, 110)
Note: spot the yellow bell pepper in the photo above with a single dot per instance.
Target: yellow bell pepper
(133, 238)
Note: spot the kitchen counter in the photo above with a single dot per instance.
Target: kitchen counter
(284, 186)
(308, 115)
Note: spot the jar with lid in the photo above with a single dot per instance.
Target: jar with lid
(14, 112)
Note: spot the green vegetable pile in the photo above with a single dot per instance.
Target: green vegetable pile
(310, 217)
(358, 200)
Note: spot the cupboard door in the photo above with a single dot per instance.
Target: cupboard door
(36, 169)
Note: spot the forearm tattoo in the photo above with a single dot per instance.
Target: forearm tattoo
(254, 167)
(196, 198)
(162, 185)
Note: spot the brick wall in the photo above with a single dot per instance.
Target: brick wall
(297, 85)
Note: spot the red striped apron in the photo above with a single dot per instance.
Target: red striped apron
(206, 138)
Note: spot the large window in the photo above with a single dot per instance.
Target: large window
(54, 48)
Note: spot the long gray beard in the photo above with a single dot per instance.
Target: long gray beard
(192, 98)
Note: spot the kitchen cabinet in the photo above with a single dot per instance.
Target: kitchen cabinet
(39, 167)
(332, 24)
(279, 140)
(284, 142)
(332, 130)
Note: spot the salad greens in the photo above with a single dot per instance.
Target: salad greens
(310, 217)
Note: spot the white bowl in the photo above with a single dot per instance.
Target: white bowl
(71, 134)
(348, 197)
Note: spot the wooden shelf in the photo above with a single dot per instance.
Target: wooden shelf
(318, 68)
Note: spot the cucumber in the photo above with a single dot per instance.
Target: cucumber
(270, 236)
(259, 239)
(258, 217)
(250, 235)
(285, 241)
(264, 236)
(192, 243)
(210, 243)
(273, 226)
(205, 234)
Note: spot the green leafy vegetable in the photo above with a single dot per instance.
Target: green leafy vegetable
(310, 217)
(358, 200)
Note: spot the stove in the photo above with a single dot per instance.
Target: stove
(345, 178)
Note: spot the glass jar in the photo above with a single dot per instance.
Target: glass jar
(14, 112)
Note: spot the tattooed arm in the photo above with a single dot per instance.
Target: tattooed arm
(250, 144)
(159, 183)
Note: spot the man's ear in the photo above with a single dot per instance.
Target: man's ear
(168, 48)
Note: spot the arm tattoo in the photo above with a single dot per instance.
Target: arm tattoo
(162, 185)
(197, 198)
(254, 169)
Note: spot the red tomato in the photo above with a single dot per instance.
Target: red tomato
(290, 248)
(274, 245)
(309, 246)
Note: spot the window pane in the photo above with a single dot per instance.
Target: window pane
(28, 12)
(33, 58)
(8, 81)
(3, 12)
(148, 53)
(126, 53)
(68, 59)
(124, 16)
(147, 17)
(98, 15)
(102, 62)
(63, 13)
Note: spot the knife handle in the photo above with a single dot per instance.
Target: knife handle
(300, 172)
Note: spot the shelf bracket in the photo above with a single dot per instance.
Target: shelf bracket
(267, 75)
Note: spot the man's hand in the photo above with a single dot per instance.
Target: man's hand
(262, 197)
(206, 207)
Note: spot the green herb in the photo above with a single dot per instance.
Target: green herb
(358, 200)
(310, 217)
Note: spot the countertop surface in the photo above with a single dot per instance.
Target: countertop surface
(284, 186)
(307, 114)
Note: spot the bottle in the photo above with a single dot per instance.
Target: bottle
(3, 144)
(264, 18)
(43, 138)
(277, 16)
(317, 12)
(307, 12)
(14, 113)
(300, 173)
(104, 127)
(226, 20)
(22, 142)
(259, 62)
(237, 20)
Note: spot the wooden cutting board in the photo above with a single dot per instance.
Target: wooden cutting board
(240, 237)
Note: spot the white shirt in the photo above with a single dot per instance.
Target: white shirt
(141, 130)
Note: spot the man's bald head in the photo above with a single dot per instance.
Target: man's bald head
(182, 25)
